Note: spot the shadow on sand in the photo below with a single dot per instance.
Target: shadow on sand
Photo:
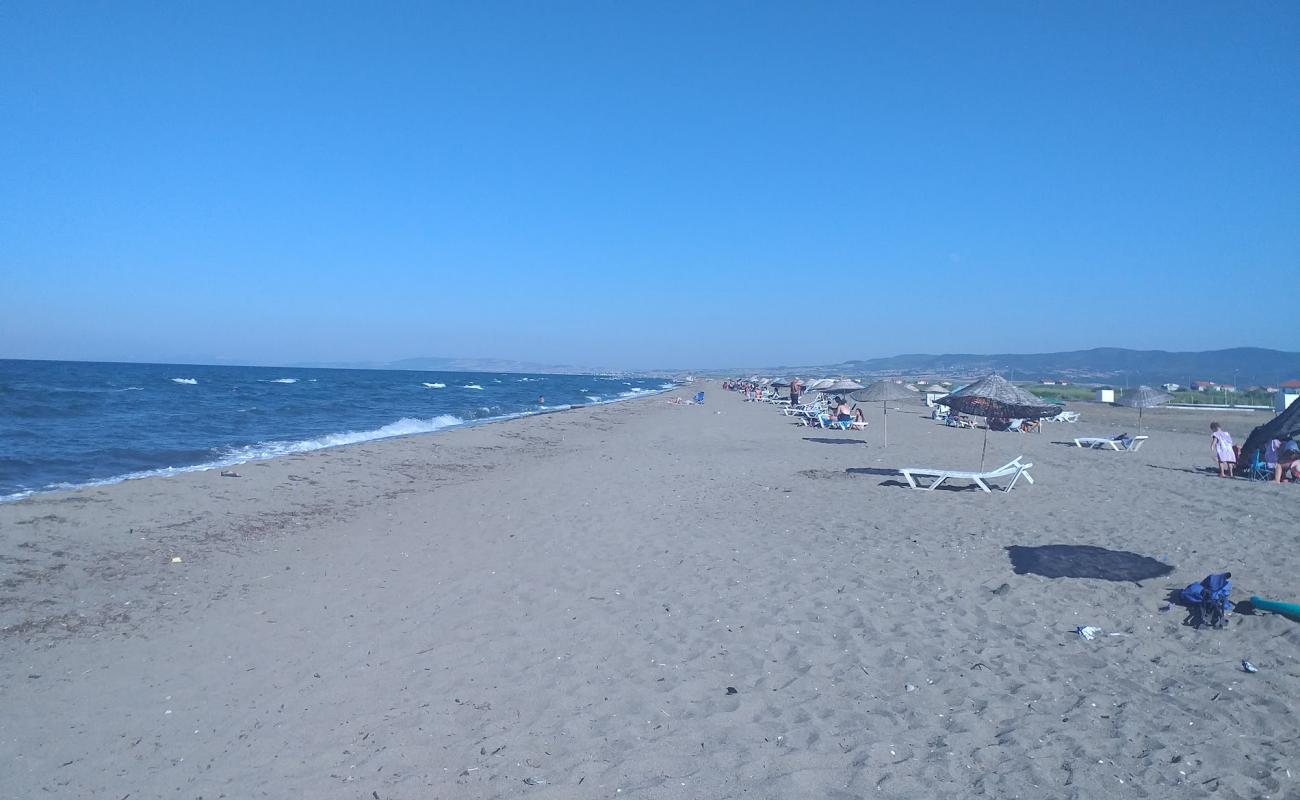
(1210, 471)
(1085, 561)
(833, 441)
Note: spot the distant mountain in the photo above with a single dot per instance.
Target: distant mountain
(1246, 366)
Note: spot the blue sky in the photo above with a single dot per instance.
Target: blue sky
(643, 184)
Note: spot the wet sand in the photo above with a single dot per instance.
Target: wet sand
(650, 600)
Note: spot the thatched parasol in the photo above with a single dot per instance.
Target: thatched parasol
(883, 391)
(840, 385)
(1143, 397)
(995, 396)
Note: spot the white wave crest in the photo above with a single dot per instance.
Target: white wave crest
(283, 380)
(186, 381)
(435, 385)
(592, 398)
(471, 386)
(403, 427)
(264, 450)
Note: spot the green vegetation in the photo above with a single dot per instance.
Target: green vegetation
(1061, 394)
(1234, 398)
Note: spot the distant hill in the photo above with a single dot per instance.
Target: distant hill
(1247, 366)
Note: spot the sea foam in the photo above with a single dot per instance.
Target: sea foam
(186, 381)
(471, 386)
(403, 427)
(435, 386)
(264, 450)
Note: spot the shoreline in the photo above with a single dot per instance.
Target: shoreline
(167, 472)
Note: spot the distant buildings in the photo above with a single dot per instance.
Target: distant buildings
(1105, 394)
(1211, 386)
(1170, 387)
(1286, 395)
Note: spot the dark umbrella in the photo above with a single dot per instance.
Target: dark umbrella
(1143, 397)
(995, 396)
(884, 391)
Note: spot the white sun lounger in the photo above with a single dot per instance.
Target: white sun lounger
(1066, 416)
(1099, 443)
(1015, 468)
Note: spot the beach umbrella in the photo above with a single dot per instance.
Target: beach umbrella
(884, 391)
(1143, 397)
(841, 385)
(995, 396)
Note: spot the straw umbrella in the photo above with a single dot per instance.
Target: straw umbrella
(995, 396)
(884, 391)
(1143, 397)
(841, 385)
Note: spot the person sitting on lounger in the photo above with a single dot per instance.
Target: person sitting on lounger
(842, 411)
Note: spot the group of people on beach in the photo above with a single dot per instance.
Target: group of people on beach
(1280, 456)
(840, 409)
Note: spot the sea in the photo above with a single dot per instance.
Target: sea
(65, 424)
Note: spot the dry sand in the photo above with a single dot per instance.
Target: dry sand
(562, 606)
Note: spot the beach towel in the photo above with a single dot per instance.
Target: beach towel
(1208, 600)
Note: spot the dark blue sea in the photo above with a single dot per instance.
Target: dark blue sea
(65, 424)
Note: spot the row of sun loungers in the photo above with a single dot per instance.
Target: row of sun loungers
(928, 479)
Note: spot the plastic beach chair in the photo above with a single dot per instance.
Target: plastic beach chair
(1101, 443)
(1014, 468)
(699, 398)
(1258, 469)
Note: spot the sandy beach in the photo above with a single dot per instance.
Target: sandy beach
(652, 600)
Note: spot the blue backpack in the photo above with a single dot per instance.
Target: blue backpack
(1208, 600)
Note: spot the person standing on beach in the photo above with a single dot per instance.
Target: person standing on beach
(1221, 444)
(796, 389)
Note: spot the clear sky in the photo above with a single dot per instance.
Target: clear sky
(644, 184)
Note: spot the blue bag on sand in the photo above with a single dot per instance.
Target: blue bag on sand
(1209, 599)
